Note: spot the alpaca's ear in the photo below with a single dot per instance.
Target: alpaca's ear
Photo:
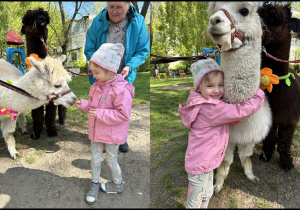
(23, 29)
(62, 58)
(295, 24)
(36, 64)
(210, 8)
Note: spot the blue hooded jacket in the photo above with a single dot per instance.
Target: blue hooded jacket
(136, 44)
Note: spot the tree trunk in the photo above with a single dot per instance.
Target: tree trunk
(150, 25)
(135, 4)
(145, 8)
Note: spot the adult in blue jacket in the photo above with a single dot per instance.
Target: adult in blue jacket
(120, 15)
(119, 22)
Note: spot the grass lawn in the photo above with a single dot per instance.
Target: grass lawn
(168, 138)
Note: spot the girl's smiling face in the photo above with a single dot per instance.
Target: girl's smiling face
(213, 87)
(101, 74)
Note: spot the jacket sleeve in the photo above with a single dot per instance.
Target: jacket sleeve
(188, 114)
(91, 40)
(142, 48)
(86, 104)
(224, 113)
(120, 113)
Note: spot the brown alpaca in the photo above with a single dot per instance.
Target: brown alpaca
(284, 100)
(35, 27)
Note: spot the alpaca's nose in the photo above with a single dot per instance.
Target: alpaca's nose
(215, 19)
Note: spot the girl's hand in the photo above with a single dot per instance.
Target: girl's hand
(78, 104)
(93, 113)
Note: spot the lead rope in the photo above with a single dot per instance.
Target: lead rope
(42, 39)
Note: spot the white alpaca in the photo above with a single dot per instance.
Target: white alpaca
(241, 64)
(45, 79)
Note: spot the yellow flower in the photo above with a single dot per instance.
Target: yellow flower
(267, 79)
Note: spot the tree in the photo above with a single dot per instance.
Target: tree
(144, 8)
(179, 28)
(67, 25)
(182, 26)
(11, 17)
(150, 25)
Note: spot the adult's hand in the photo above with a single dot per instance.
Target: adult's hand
(125, 72)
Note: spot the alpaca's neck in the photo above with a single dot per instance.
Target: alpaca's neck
(280, 50)
(35, 45)
(18, 102)
(241, 72)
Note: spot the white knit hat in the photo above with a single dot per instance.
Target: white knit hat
(202, 67)
(109, 56)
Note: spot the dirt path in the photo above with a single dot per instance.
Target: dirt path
(60, 177)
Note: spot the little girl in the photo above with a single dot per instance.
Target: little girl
(109, 108)
(209, 116)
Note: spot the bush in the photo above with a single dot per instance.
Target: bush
(145, 67)
(296, 67)
(80, 64)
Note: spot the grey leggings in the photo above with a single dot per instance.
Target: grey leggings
(111, 158)
(200, 190)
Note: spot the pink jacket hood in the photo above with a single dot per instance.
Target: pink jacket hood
(209, 122)
(113, 101)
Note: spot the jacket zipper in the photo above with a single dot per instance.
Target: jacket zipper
(96, 118)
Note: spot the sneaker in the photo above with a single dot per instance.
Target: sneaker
(111, 187)
(91, 196)
(124, 147)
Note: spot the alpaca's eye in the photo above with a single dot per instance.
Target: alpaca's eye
(57, 86)
(244, 12)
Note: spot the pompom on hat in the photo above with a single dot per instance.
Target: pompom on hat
(201, 68)
(109, 56)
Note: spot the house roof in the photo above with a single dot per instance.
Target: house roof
(13, 38)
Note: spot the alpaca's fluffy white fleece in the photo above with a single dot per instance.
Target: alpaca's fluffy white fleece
(242, 66)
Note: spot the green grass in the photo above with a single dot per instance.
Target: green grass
(166, 124)
(155, 82)
(40, 152)
(273, 186)
(31, 159)
(142, 90)
(232, 204)
(262, 203)
(168, 135)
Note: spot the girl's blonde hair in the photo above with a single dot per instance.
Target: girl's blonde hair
(106, 71)
(207, 77)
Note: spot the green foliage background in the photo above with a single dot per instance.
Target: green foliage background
(11, 18)
(179, 28)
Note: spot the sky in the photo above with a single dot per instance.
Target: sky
(70, 5)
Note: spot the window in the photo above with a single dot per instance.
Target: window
(77, 28)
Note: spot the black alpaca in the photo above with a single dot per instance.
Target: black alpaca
(35, 27)
(284, 100)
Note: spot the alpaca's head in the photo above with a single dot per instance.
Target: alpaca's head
(279, 23)
(50, 78)
(245, 18)
(35, 23)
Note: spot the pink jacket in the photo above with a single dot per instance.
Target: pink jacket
(113, 100)
(209, 122)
